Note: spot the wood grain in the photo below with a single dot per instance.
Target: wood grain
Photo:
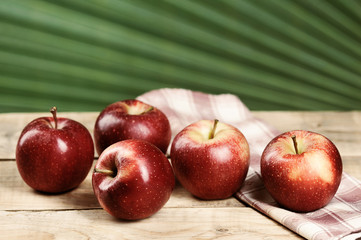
(16, 195)
(13, 123)
(27, 214)
(343, 128)
(168, 223)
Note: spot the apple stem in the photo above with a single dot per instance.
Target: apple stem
(103, 171)
(148, 110)
(295, 143)
(211, 134)
(53, 111)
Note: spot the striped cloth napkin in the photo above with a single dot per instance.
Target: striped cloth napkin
(341, 218)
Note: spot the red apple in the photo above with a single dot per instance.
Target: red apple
(132, 179)
(210, 159)
(131, 119)
(301, 170)
(54, 154)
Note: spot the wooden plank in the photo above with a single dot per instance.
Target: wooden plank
(168, 223)
(343, 128)
(13, 123)
(27, 214)
(352, 166)
(16, 195)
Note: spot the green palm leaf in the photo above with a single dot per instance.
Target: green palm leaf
(274, 55)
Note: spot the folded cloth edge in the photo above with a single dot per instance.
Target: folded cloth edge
(170, 99)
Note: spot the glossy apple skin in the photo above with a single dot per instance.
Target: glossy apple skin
(54, 160)
(142, 182)
(306, 181)
(210, 168)
(125, 120)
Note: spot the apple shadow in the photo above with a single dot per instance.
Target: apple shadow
(78, 198)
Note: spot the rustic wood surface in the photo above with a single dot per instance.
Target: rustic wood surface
(27, 214)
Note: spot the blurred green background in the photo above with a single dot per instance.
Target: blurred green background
(274, 54)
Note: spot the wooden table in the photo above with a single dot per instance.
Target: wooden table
(27, 214)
